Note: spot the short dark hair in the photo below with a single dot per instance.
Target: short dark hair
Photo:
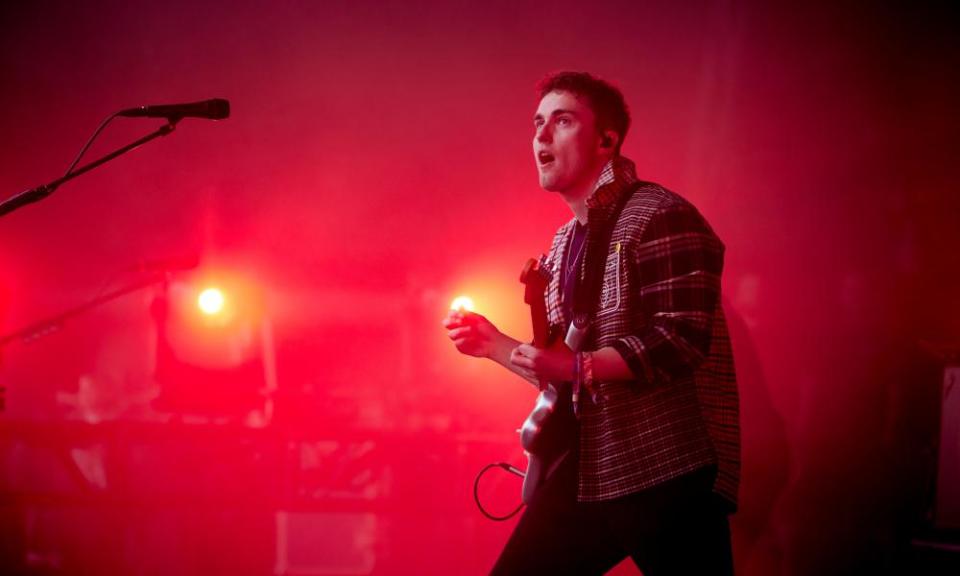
(605, 99)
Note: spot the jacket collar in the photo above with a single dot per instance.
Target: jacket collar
(617, 177)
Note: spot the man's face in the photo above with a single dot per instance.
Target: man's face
(566, 144)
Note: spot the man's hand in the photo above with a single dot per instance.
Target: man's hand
(551, 364)
(472, 333)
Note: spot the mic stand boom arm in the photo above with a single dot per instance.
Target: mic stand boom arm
(48, 325)
(41, 192)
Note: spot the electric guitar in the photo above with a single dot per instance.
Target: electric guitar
(549, 430)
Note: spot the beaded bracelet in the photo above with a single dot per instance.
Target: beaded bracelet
(577, 382)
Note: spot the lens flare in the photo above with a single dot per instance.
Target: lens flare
(211, 301)
(462, 303)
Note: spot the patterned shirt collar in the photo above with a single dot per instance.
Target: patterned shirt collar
(617, 176)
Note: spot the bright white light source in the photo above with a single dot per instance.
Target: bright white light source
(210, 301)
(462, 303)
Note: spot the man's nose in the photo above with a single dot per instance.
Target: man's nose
(544, 133)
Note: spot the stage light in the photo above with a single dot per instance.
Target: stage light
(215, 353)
(211, 301)
(462, 303)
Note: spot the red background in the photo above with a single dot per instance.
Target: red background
(377, 163)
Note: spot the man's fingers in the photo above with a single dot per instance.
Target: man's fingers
(457, 318)
(526, 350)
(521, 361)
(460, 333)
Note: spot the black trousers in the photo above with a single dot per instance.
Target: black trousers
(679, 527)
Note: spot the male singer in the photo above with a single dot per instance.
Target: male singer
(654, 469)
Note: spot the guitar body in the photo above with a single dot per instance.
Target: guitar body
(548, 433)
(547, 437)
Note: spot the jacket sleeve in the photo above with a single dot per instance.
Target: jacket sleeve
(677, 266)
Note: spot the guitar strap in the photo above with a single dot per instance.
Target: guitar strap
(586, 290)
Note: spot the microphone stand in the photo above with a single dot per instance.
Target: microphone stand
(54, 323)
(40, 192)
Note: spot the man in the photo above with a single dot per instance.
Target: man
(654, 470)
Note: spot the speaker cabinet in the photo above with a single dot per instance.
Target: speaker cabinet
(947, 505)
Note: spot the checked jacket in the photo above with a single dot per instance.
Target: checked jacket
(659, 307)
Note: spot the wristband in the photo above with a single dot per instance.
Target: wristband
(586, 374)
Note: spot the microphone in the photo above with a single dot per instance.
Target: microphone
(215, 109)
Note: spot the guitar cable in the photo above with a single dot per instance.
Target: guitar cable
(476, 486)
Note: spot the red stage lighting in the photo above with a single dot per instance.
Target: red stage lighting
(462, 304)
(215, 348)
(211, 301)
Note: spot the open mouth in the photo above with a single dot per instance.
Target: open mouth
(544, 158)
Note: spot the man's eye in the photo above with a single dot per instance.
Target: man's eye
(562, 121)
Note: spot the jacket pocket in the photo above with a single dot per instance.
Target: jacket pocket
(610, 296)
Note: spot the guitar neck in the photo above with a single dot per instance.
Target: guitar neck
(538, 318)
(535, 280)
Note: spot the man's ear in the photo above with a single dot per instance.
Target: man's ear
(609, 139)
